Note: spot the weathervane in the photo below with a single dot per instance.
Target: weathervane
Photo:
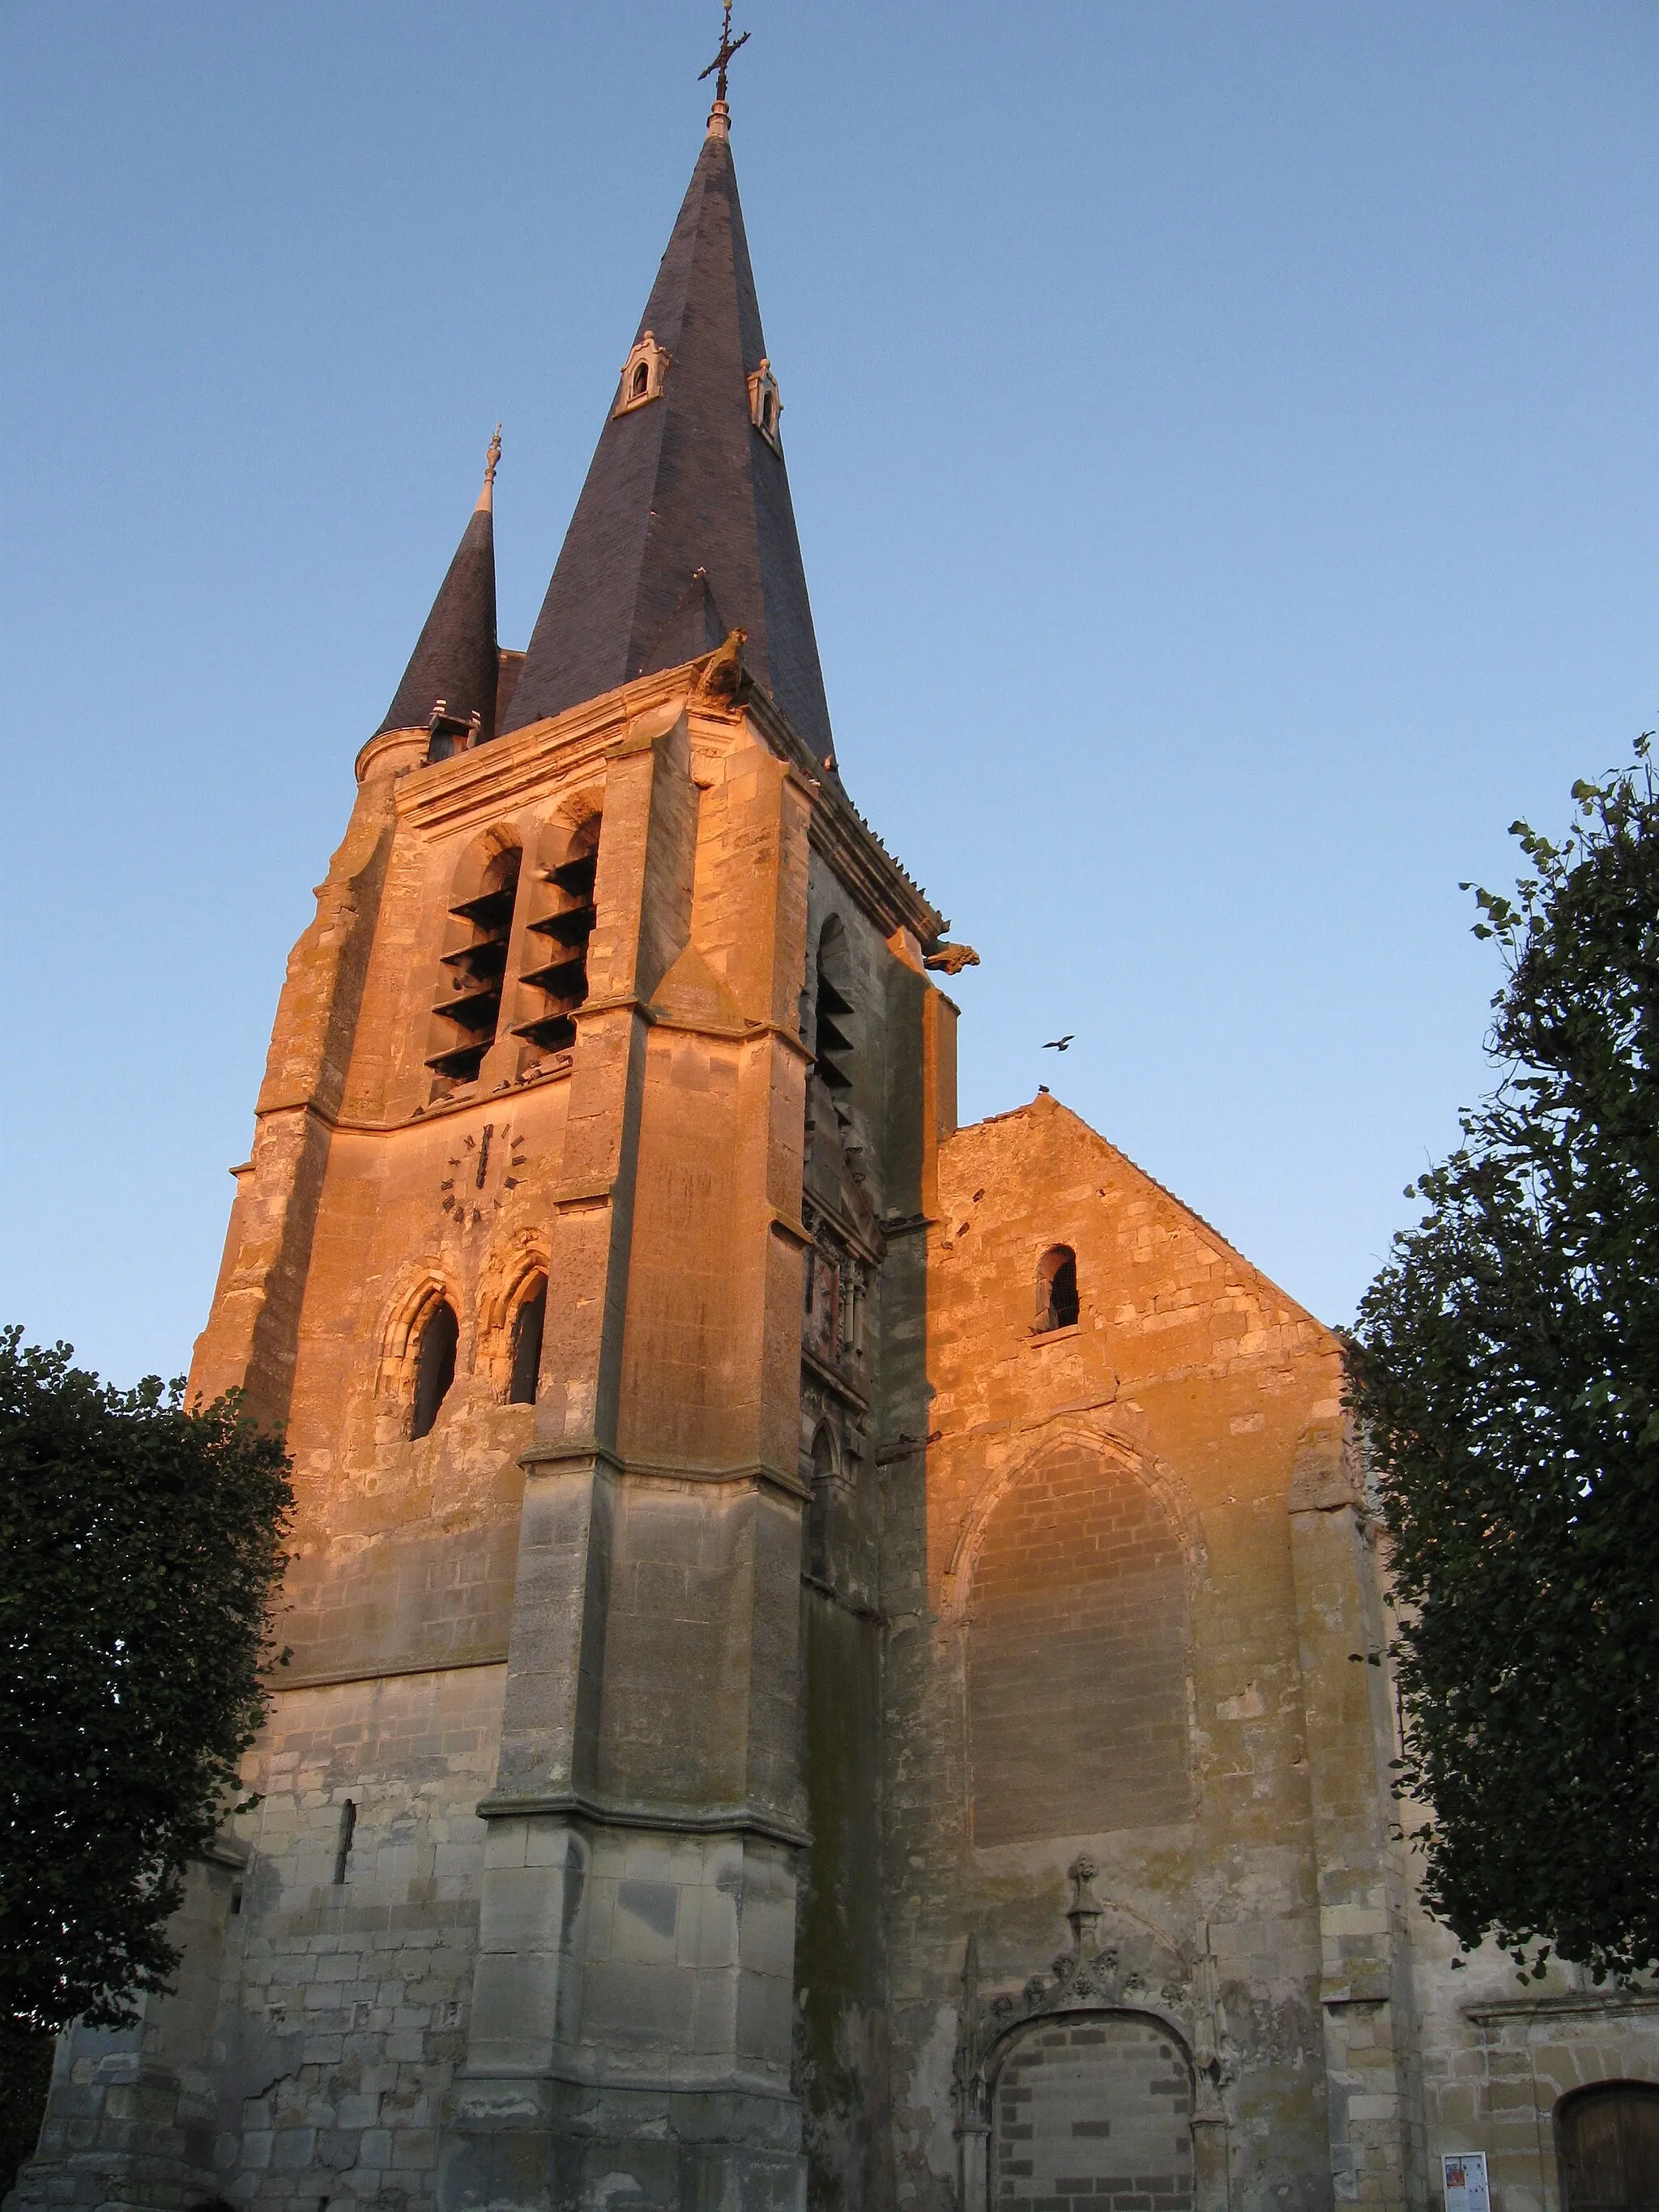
(728, 46)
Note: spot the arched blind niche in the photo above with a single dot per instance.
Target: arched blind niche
(1077, 1654)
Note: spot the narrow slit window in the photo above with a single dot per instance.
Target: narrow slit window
(641, 379)
(818, 1512)
(556, 947)
(343, 1849)
(434, 1366)
(528, 1325)
(477, 968)
(1056, 1290)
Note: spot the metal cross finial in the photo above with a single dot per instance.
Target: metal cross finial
(493, 457)
(728, 46)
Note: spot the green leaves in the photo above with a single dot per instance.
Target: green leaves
(139, 1546)
(1506, 1368)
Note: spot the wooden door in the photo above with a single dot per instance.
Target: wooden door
(1609, 2139)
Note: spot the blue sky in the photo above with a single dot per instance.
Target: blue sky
(1222, 439)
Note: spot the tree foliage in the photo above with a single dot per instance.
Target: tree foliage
(140, 1544)
(1505, 1367)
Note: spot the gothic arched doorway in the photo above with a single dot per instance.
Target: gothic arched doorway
(1092, 2110)
(1609, 2139)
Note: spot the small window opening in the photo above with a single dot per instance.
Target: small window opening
(559, 976)
(528, 1324)
(236, 1896)
(476, 969)
(434, 1366)
(817, 1511)
(1056, 1291)
(348, 1830)
(641, 379)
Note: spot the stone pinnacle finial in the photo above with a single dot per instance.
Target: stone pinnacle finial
(720, 116)
(492, 461)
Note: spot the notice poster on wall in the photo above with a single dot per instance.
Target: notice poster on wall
(1465, 2173)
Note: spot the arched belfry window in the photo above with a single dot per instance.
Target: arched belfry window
(528, 1322)
(481, 926)
(435, 1365)
(555, 980)
(1056, 1290)
(833, 1009)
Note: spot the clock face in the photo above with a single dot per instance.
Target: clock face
(481, 1174)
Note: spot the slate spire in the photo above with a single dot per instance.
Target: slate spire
(684, 529)
(455, 659)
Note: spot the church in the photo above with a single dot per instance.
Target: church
(838, 1658)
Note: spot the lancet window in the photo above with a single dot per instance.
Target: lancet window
(435, 1365)
(528, 1322)
(476, 967)
(556, 974)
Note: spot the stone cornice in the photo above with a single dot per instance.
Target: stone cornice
(516, 768)
(624, 1813)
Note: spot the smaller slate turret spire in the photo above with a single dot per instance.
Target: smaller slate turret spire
(455, 661)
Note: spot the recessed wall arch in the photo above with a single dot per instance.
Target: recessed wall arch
(1073, 1596)
(1056, 1437)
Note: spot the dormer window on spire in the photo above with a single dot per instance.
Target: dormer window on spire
(765, 404)
(642, 374)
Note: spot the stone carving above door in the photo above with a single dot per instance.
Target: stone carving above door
(1135, 1975)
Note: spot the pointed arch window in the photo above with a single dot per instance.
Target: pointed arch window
(476, 965)
(434, 1366)
(1057, 1303)
(528, 1324)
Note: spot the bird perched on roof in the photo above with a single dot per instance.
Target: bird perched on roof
(1059, 1044)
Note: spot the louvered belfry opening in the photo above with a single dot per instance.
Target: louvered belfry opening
(555, 946)
(834, 1019)
(476, 969)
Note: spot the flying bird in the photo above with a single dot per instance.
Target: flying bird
(1059, 1044)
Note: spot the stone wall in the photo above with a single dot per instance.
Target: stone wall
(1141, 1463)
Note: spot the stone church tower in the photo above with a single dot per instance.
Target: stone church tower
(837, 1660)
